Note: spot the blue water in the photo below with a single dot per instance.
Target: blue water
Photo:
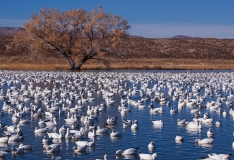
(163, 137)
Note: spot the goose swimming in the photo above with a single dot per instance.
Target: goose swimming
(86, 143)
(56, 158)
(144, 156)
(151, 145)
(179, 138)
(219, 156)
(157, 122)
(204, 141)
(79, 148)
(210, 133)
(129, 151)
(115, 134)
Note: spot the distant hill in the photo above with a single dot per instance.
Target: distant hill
(184, 37)
(10, 30)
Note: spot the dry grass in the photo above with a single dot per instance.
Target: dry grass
(153, 63)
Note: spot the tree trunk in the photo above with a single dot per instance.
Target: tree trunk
(82, 61)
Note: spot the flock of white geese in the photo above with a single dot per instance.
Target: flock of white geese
(43, 96)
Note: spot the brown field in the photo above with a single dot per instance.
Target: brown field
(139, 53)
(15, 63)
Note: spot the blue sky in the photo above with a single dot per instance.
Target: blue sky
(149, 18)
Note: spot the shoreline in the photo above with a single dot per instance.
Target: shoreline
(128, 64)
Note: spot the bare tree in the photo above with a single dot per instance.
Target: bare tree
(77, 35)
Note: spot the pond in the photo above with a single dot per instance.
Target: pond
(83, 101)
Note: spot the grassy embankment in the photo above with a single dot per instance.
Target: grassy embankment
(155, 63)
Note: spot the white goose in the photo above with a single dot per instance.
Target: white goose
(204, 141)
(78, 149)
(40, 130)
(219, 156)
(86, 143)
(111, 120)
(100, 130)
(210, 133)
(26, 147)
(144, 156)
(194, 125)
(134, 126)
(129, 151)
(116, 134)
(172, 110)
(52, 149)
(16, 151)
(157, 122)
(179, 138)
(181, 122)
(156, 110)
(3, 154)
(55, 135)
(4, 139)
(52, 123)
(151, 145)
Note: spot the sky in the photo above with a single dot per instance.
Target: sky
(148, 18)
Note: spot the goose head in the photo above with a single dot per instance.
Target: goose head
(118, 153)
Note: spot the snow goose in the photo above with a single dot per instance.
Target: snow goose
(219, 156)
(55, 135)
(194, 125)
(16, 151)
(56, 158)
(210, 133)
(104, 158)
(52, 149)
(101, 131)
(52, 123)
(86, 143)
(224, 113)
(3, 154)
(26, 147)
(129, 151)
(156, 110)
(179, 138)
(217, 123)
(46, 140)
(92, 132)
(151, 145)
(172, 110)
(15, 138)
(144, 156)
(181, 122)
(204, 141)
(4, 139)
(134, 126)
(116, 134)
(157, 122)
(40, 130)
(111, 120)
(78, 149)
